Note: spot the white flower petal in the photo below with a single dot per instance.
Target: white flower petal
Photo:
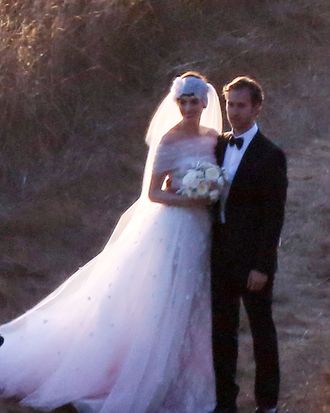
(212, 173)
(202, 189)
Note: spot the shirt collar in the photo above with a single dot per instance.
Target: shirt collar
(249, 134)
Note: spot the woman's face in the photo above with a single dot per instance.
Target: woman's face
(191, 107)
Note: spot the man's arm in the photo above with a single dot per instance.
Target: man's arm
(274, 189)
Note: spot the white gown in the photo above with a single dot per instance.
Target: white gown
(130, 331)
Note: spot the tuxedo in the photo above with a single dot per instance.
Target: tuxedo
(246, 231)
(254, 208)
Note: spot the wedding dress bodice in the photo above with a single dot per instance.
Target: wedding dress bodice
(177, 157)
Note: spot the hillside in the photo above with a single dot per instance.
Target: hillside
(79, 81)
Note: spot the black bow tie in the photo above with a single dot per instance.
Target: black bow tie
(236, 141)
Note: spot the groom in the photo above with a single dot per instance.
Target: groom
(246, 231)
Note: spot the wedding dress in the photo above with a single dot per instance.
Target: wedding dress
(130, 331)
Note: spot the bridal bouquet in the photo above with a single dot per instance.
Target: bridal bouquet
(205, 180)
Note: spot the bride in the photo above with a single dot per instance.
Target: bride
(130, 331)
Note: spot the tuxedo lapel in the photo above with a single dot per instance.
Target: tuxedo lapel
(248, 161)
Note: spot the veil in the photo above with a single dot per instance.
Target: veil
(165, 118)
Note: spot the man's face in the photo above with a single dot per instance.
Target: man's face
(241, 113)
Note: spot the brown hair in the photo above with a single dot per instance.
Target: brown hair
(245, 82)
(192, 73)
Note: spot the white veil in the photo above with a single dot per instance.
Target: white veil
(165, 118)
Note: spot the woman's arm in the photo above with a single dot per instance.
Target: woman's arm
(156, 194)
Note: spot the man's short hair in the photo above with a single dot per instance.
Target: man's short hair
(245, 82)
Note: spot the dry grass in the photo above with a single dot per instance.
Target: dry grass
(78, 82)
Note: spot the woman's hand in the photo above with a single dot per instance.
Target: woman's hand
(169, 196)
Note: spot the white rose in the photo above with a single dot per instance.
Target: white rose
(212, 173)
(200, 174)
(190, 180)
(202, 189)
(189, 193)
(214, 195)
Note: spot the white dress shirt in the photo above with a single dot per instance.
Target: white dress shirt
(232, 159)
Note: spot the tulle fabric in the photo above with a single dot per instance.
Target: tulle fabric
(130, 331)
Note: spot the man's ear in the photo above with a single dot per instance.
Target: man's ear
(257, 109)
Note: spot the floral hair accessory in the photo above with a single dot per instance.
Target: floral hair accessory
(190, 85)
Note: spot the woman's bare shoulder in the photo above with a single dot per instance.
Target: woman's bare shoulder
(171, 136)
(210, 132)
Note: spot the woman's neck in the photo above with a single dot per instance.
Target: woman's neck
(192, 128)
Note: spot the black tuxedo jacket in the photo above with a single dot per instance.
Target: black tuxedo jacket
(254, 209)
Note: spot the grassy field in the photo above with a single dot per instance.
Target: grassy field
(78, 83)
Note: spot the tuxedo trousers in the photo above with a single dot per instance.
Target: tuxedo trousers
(228, 288)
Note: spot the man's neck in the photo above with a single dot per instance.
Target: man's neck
(242, 131)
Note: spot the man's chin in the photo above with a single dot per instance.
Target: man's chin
(236, 125)
(239, 127)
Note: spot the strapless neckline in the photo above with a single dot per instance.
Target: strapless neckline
(187, 140)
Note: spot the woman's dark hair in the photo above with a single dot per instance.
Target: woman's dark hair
(192, 73)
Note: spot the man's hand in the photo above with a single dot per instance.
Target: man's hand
(256, 281)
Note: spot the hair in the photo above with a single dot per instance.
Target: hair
(192, 73)
(246, 82)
